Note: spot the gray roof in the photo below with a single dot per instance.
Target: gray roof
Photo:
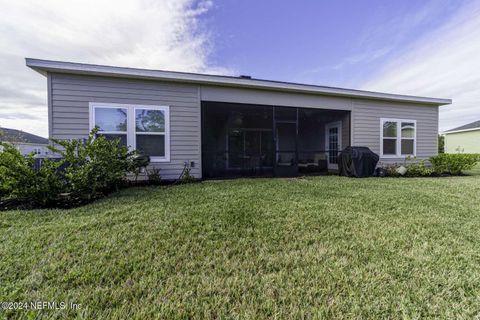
(45, 66)
(14, 135)
(469, 126)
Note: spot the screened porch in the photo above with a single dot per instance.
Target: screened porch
(257, 140)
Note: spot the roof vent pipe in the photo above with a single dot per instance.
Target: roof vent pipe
(245, 77)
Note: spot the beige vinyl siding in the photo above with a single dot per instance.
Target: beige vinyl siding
(366, 125)
(463, 142)
(274, 98)
(71, 95)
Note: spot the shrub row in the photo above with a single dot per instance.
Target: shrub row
(454, 163)
(442, 164)
(87, 170)
(19, 179)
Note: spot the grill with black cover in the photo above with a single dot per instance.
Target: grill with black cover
(357, 162)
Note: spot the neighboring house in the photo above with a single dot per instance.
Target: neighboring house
(234, 126)
(463, 139)
(25, 142)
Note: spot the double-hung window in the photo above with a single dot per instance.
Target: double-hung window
(143, 128)
(398, 137)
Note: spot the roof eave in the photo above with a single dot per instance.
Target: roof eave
(45, 66)
(463, 130)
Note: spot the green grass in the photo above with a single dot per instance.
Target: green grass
(474, 171)
(318, 247)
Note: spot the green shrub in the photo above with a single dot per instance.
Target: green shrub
(139, 161)
(454, 163)
(94, 166)
(21, 181)
(418, 169)
(154, 176)
(186, 176)
(87, 170)
(441, 144)
(390, 170)
(415, 168)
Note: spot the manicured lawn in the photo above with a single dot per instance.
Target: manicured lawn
(475, 170)
(318, 247)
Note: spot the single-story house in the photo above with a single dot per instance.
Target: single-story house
(234, 126)
(25, 142)
(463, 139)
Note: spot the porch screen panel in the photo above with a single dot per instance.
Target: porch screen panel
(236, 140)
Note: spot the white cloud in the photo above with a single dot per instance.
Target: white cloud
(152, 34)
(445, 63)
(365, 57)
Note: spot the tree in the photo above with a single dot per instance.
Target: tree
(150, 121)
(441, 144)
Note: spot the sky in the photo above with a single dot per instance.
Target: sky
(425, 48)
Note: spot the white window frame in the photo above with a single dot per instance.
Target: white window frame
(398, 151)
(93, 106)
(131, 124)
